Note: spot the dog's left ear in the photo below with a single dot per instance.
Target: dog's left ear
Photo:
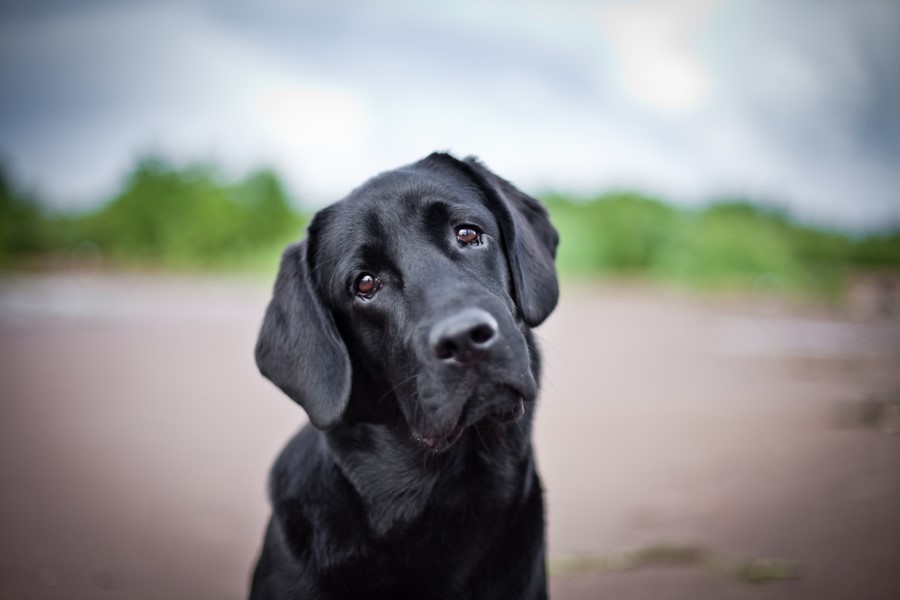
(299, 348)
(530, 242)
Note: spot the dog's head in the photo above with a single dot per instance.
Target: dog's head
(416, 291)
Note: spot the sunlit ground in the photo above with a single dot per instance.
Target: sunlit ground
(690, 447)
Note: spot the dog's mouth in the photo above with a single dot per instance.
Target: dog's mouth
(507, 413)
(441, 443)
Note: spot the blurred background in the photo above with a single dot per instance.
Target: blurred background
(721, 407)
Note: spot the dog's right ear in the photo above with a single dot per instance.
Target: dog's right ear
(299, 348)
(530, 241)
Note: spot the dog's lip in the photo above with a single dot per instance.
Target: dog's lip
(440, 443)
(507, 413)
(509, 409)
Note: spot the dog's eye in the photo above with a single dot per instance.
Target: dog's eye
(366, 286)
(467, 236)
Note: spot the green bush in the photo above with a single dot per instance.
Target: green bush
(620, 234)
(727, 244)
(189, 217)
(877, 251)
(23, 226)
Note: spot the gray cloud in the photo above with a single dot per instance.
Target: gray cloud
(796, 102)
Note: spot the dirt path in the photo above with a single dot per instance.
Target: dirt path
(135, 436)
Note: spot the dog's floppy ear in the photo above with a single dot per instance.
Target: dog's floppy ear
(530, 242)
(299, 348)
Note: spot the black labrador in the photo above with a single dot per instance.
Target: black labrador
(401, 324)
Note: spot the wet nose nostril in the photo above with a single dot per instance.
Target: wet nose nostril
(482, 334)
(445, 349)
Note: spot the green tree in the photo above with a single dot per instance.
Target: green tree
(22, 223)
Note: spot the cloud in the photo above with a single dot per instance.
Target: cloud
(689, 99)
(654, 57)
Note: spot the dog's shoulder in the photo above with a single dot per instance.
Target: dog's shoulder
(316, 516)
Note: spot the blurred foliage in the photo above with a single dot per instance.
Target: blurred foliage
(174, 217)
(727, 244)
(23, 225)
(189, 217)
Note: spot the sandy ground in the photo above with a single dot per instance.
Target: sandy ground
(135, 437)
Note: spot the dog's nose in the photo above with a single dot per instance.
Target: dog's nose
(463, 337)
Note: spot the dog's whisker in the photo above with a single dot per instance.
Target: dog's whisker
(478, 431)
(396, 387)
(550, 381)
(323, 263)
(519, 425)
(545, 343)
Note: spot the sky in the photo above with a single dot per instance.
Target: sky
(794, 103)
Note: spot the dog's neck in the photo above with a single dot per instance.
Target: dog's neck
(398, 480)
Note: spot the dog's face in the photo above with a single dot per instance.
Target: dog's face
(417, 289)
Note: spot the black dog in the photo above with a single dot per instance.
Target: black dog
(401, 325)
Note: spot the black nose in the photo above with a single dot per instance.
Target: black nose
(464, 336)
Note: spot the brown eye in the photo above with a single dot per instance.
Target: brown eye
(366, 285)
(467, 236)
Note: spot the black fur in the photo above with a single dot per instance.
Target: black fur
(416, 478)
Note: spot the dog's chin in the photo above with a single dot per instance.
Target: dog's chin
(507, 412)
